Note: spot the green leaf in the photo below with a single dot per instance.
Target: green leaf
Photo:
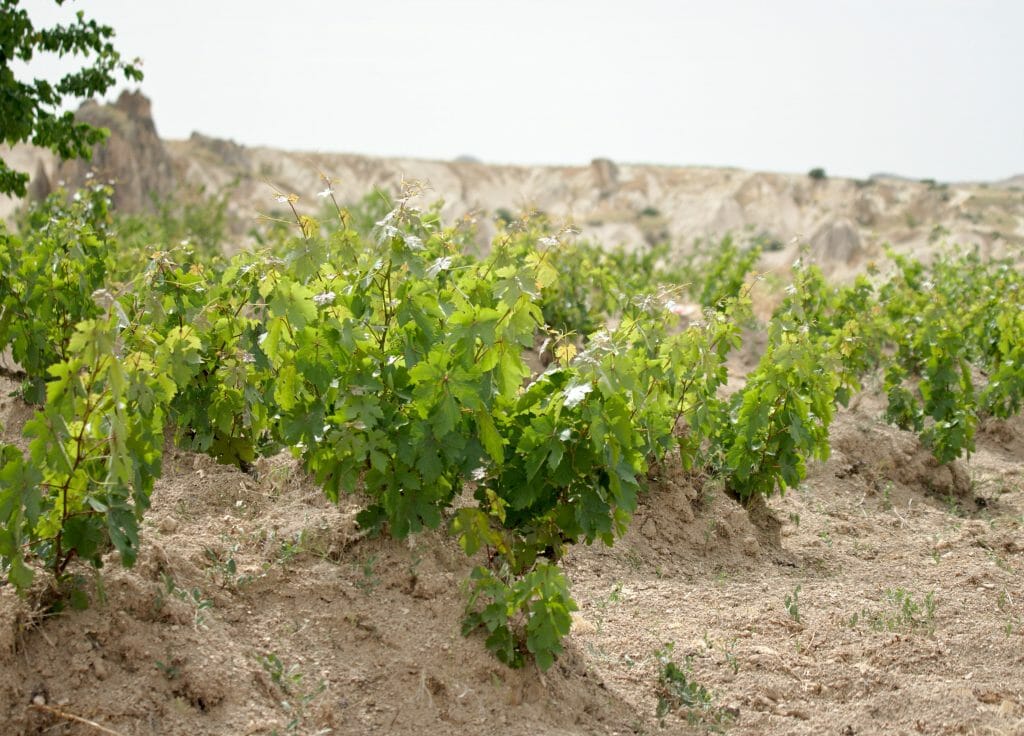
(294, 302)
(84, 535)
(445, 416)
(489, 437)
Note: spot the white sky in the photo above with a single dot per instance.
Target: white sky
(924, 88)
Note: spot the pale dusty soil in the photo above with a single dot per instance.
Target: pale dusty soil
(367, 631)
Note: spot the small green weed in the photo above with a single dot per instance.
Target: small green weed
(792, 603)
(369, 581)
(170, 671)
(193, 597)
(730, 656)
(634, 560)
(604, 603)
(1013, 621)
(903, 613)
(953, 507)
(223, 566)
(998, 560)
(677, 691)
(887, 496)
(290, 681)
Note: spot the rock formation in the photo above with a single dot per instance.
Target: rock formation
(845, 221)
(606, 176)
(133, 157)
(837, 243)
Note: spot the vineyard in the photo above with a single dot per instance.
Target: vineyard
(369, 475)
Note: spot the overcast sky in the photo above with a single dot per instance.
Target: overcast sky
(924, 88)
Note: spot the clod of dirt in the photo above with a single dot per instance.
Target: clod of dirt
(767, 524)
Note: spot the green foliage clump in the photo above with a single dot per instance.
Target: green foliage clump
(596, 284)
(95, 451)
(931, 331)
(719, 272)
(48, 277)
(31, 110)
(782, 414)
(190, 218)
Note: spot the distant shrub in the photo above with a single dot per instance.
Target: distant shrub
(767, 242)
(504, 215)
(718, 271)
(938, 233)
(817, 174)
(189, 214)
(371, 209)
(649, 211)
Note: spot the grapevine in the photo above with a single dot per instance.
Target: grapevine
(390, 360)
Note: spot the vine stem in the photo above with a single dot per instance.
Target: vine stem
(59, 565)
(72, 717)
(12, 374)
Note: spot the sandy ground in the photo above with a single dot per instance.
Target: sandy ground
(256, 608)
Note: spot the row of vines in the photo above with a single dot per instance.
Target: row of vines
(391, 360)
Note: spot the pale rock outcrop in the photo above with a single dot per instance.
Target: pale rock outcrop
(223, 152)
(39, 186)
(729, 217)
(133, 157)
(836, 243)
(768, 201)
(606, 176)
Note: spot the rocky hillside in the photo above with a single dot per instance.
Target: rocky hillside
(846, 222)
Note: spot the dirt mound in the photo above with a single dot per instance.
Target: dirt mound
(256, 605)
(1005, 435)
(682, 516)
(895, 464)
